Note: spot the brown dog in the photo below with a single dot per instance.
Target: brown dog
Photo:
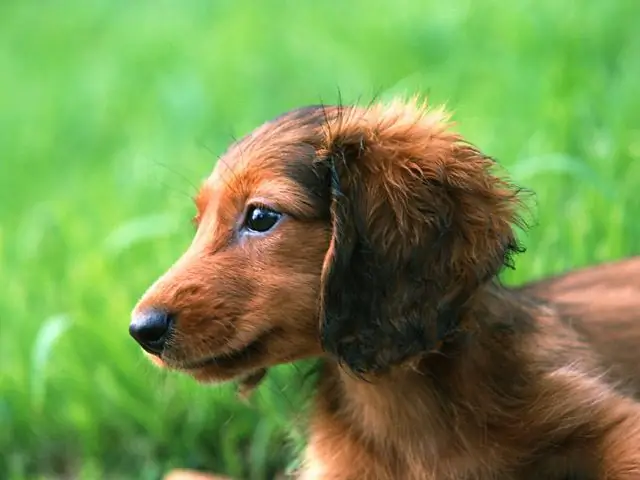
(371, 238)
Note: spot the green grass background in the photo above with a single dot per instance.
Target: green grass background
(111, 111)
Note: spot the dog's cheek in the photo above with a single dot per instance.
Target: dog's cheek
(298, 299)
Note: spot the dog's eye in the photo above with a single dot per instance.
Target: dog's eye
(261, 219)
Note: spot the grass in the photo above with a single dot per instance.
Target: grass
(111, 112)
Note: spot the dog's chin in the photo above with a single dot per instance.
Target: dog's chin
(213, 374)
(248, 381)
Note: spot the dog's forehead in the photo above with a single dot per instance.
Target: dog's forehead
(275, 157)
(267, 150)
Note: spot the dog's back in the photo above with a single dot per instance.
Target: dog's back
(603, 304)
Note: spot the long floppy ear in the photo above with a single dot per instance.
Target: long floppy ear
(419, 224)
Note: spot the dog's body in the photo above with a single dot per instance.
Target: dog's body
(602, 303)
(372, 238)
(544, 395)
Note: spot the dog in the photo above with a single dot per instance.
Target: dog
(372, 238)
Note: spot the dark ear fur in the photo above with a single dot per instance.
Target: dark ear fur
(419, 223)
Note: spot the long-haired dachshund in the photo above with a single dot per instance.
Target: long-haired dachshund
(372, 239)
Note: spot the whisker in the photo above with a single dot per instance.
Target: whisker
(176, 172)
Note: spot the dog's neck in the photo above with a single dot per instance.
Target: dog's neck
(434, 405)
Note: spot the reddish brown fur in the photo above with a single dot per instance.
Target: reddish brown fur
(384, 266)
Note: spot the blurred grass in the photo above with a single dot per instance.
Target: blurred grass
(111, 112)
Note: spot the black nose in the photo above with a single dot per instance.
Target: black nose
(151, 328)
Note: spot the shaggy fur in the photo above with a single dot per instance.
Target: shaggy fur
(384, 265)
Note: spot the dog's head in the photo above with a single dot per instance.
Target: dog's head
(357, 233)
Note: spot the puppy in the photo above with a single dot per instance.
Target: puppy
(371, 238)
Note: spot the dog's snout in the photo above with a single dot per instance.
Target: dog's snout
(150, 328)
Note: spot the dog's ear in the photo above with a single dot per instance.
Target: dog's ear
(419, 223)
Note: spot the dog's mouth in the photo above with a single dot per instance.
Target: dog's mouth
(233, 359)
(246, 364)
(244, 360)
